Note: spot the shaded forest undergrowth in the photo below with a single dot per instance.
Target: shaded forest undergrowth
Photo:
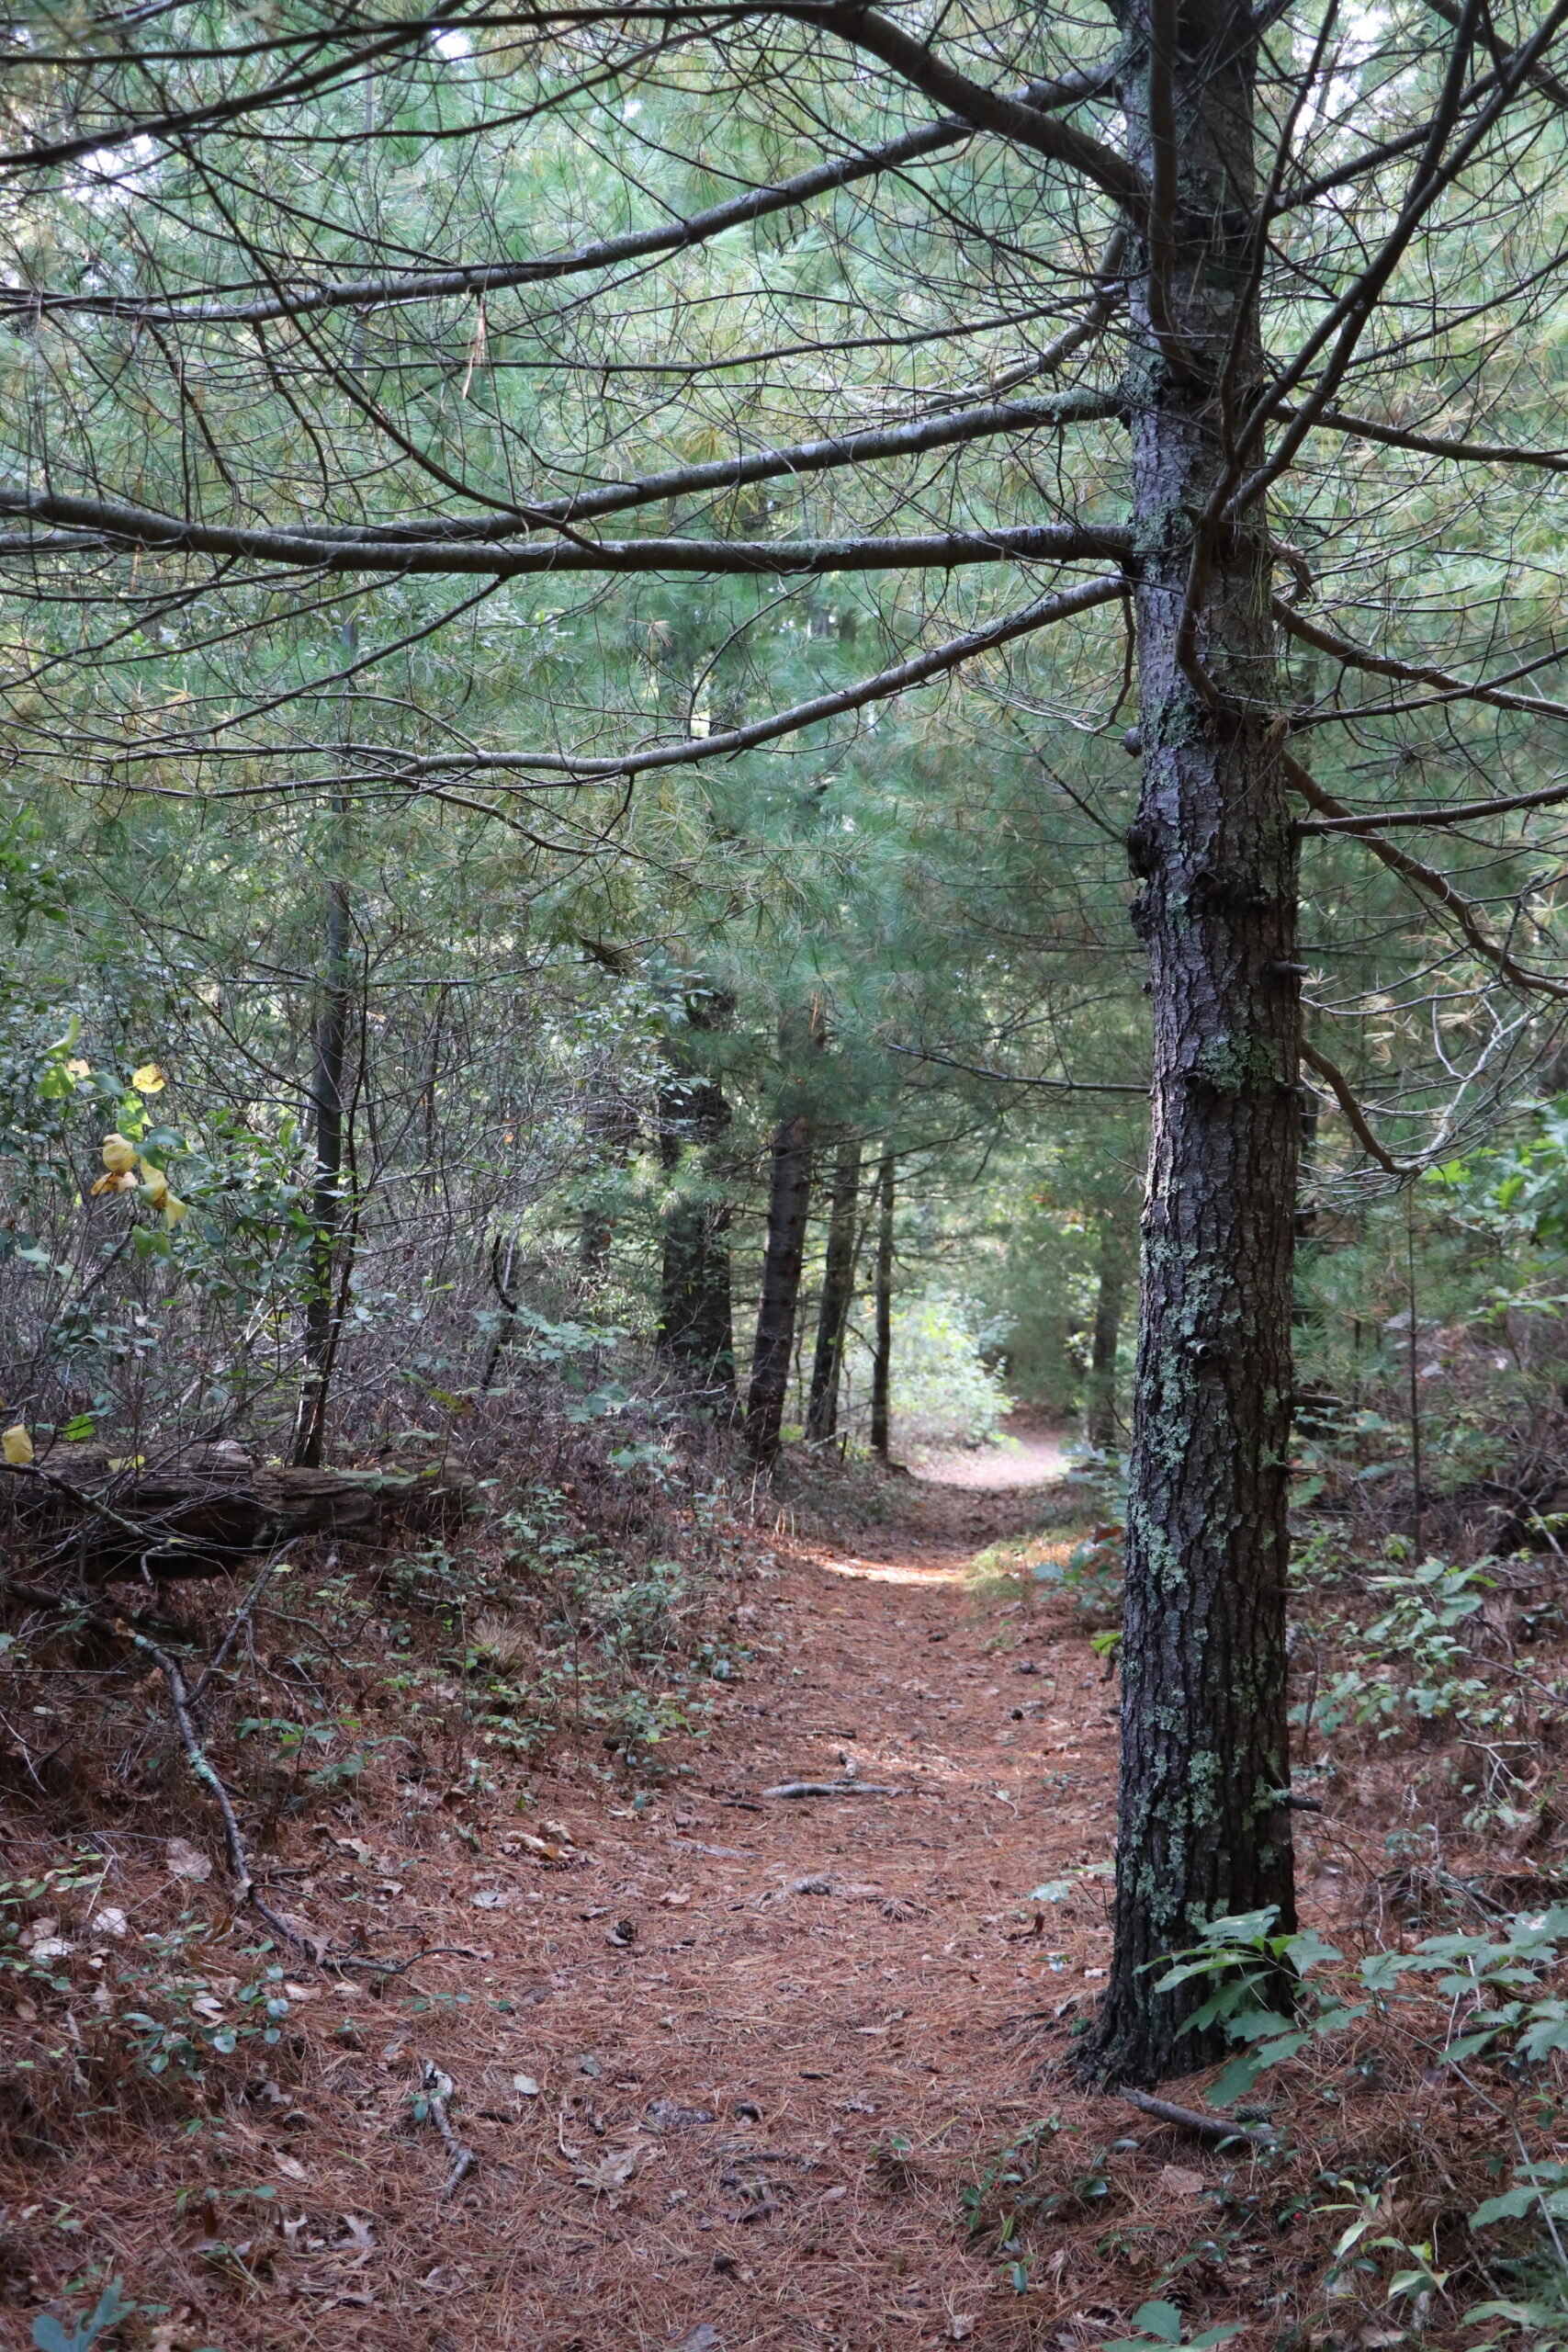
(560, 2023)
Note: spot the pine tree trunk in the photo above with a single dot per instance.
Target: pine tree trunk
(1100, 1414)
(789, 1203)
(696, 1326)
(1203, 1829)
(328, 1059)
(882, 1354)
(837, 1291)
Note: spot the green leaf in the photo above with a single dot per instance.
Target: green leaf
(1160, 2319)
(1512, 2206)
(1235, 2081)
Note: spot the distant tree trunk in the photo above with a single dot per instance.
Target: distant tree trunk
(882, 1354)
(610, 1130)
(789, 1202)
(1099, 1417)
(328, 1059)
(696, 1331)
(838, 1290)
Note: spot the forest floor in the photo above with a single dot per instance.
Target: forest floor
(770, 2036)
(733, 2065)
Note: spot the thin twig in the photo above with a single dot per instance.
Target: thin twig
(241, 1620)
(246, 1892)
(833, 1788)
(438, 2088)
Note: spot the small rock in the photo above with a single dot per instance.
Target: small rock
(667, 2115)
(525, 2086)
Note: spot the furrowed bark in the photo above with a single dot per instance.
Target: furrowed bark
(695, 1324)
(882, 1357)
(789, 1203)
(838, 1289)
(1099, 1414)
(1203, 1827)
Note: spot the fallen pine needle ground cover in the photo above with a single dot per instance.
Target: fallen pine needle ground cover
(685, 2063)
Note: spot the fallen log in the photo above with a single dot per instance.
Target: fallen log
(208, 1510)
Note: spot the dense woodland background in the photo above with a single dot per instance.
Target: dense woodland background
(615, 624)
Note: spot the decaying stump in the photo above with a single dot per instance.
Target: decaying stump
(208, 1510)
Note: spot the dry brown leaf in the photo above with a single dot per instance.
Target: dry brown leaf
(185, 1861)
(1178, 2182)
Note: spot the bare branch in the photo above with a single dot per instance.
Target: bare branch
(1422, 674)
(318, 547)
(1356, 1118)
(1457, 813)
(1012, 119)
(910, 439)
(1430, 445)
(1431, 884)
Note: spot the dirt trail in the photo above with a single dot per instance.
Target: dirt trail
(728, 2065)
(1032, 1454)
(802, 2018)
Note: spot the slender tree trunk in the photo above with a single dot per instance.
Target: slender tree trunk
(1203, 1827)
(838, 1292)
(328, 1059)
(695, 1325)
(1099, 1417)
(882, 1353)
(789, 1203)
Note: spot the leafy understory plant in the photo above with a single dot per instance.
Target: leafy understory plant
(1495, 1986)
(1161, 2326)
(112, 2306)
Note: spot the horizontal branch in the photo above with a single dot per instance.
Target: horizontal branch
(912, 438)
(182, 121)
(1459, 813)
(1013, 119)
(1431, 444)
(1009, 1078)
(126, 528)
(898, 679)
(1431, 883)
(1419, 674)
(481, 279)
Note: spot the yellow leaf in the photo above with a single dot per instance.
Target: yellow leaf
(148, 1078)
(79, 1068)
(119, 1154)
(17, 1446)
(174, 1208)
(156, 1184)
(124, 1182)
